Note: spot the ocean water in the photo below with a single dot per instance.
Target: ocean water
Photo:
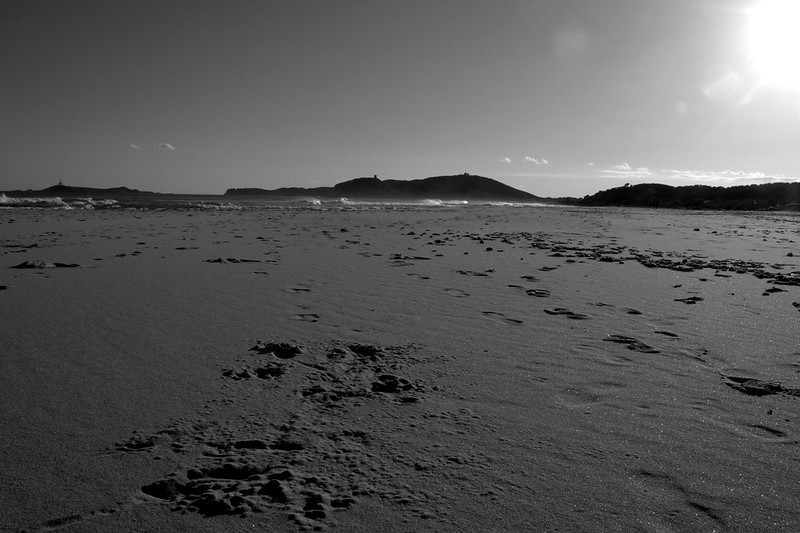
(228, 203)
(56, 202)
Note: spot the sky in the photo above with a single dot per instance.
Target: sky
(554, 97)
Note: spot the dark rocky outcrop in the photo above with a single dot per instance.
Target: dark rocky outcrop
(741, 197)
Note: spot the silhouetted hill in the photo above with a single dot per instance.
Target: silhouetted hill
(460, 187)
(67, 191)
(764, 196)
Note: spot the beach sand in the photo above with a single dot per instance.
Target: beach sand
(465, 369)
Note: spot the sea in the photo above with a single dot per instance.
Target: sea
(231, 203)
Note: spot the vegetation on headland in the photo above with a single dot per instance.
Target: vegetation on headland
(73, 191)
(459, 187)
(740, 197)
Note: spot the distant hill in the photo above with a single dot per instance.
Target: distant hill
(459, 187)
(740, 197)
(70, 191)
(769, 196)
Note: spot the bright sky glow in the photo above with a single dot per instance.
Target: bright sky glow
(775, 42)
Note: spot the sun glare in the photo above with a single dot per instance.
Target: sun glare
(775, 42)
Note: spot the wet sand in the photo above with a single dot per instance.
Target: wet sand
(481, 368)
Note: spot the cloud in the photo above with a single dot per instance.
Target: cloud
(625, 169)
(570, 43)
(540, 161)
(727, 176)
(506, 160)
(166, 146)
(135, 147)
(730, 87)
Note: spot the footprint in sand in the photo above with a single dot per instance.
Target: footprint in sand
(758, 387)
(679, 502)
(238, 489)
(772, 290)
(232, 260)
(297, 290)
(501, 317)
(281, 350)
(667, 333)
(567, 313)
(67, 521)
(632, 344)
(539, 293)
(767, 433)
(311, 467)
(762, 432)
(456, 293)
(267, 372)
(44, 264)
(578, 399)
(472, 273)
(306, 317)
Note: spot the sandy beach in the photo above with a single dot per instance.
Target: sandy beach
(446, 369)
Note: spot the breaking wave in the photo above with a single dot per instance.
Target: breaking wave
(430, 202)
(219, 203)
(56, 202)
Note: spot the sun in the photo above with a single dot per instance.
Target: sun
(774, 42)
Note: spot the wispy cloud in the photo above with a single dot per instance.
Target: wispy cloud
(166, 146)
(135, 147)
(535, 161)
(625, 169)
(570, 43)
(540, 174)
(727, 176)
(506, 160)
(731, 87)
